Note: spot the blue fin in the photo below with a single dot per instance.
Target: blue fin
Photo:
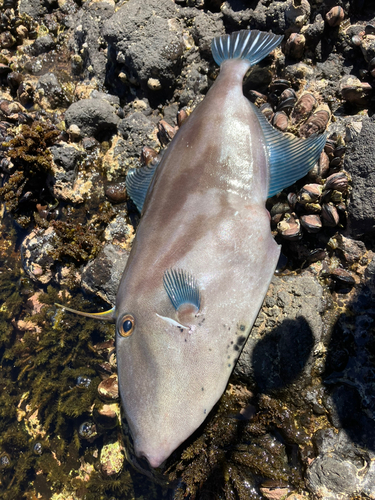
(181, 288)
(137, 183)
(252, 45)
(290, 158)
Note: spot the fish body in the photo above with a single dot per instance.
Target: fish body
(203, 255)
(205, 213)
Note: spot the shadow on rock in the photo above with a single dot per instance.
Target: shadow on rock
(281, 356)
(349, 374)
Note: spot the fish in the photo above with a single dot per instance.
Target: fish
(203, 255)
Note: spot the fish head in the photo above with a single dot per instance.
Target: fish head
(168, 372)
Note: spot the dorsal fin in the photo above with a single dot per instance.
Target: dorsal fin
(290, 158)
(137, 183)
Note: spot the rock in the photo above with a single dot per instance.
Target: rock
(107, 416)
(42, 45)
(206, 27)
(50, 90)
(66, 156)
(360, 163)
(280, 348)
(93, 117)
(134, 129)
(87, 43)
(108, 388)
(149, 48)
(102, 275)
(33, 8)
(331, 477)
(112, 458)
(36, 256)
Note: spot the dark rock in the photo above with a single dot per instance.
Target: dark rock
(102, 275)
(36, 256)
(134, 128)
(88, 44)
(42, 45)
(95, 117)
(330, 476)
(275, 357)
(147, 42)
(66, 156)
(360, 163)
(33, 8)
(206, 27)
(52, 90)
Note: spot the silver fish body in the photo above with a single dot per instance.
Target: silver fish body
(204, 213)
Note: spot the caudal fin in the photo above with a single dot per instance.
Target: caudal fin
(251, 45)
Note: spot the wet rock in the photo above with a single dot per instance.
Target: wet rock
(150, 48)
(112, 458)
(280, 348)
(297, 13)
(93, 117)
(116, 193)
(42, 45)
(331, 477)
(107, 416)
(102, 275)
(359, 162)
(36, 256)
(108, 388)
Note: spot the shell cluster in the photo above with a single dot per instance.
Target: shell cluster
(319, 200)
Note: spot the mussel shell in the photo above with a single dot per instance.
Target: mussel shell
(279, 85)
(280, 120)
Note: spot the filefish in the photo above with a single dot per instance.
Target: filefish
(203, 255)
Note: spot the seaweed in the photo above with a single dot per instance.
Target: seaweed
(233, 455)
(29, 170)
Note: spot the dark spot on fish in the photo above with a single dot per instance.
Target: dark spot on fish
(241, 340)
(209, 349)
(204, 411)
(182, 330)
(228, 357)
(202, 388)
(242, 328)
(229, 365)
(231, 341)
(236, 348)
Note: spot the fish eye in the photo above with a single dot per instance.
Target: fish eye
(126, 325)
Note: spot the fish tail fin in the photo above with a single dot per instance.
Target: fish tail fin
(251, 45)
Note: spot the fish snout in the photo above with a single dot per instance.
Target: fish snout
(153, 458)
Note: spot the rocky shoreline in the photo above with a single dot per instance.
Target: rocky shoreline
(89, 90)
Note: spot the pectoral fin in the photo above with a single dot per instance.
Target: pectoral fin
(105, 315)
(290, 158)
(137, 183)
(181, 288)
